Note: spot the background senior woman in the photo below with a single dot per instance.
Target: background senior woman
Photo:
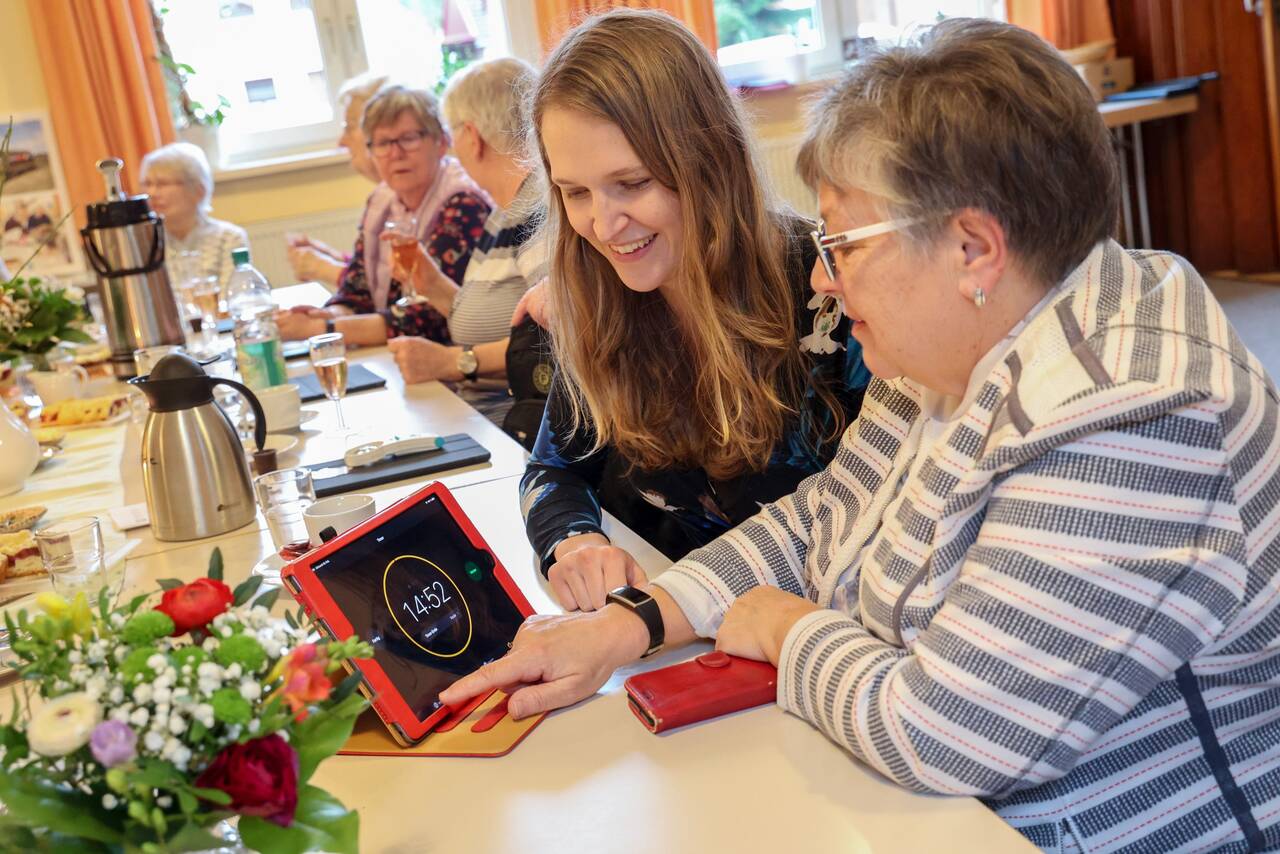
(313, 259)
(408, 141)
(1042, 569)
(180, 183)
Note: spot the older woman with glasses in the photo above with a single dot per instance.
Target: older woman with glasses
(1043, 568)
(430, 197)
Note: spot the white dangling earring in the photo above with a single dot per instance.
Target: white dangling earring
(979, 297)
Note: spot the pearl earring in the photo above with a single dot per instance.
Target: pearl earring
(979, 297)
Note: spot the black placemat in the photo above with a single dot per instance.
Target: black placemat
(459, 450)
(359, 378)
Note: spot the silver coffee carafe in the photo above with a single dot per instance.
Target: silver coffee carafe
(124, 242)
(193, 465)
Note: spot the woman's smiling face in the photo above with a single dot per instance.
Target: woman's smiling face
(612, 200)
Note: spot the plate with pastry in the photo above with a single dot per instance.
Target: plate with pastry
(21, 568)
(21, 519)
(86, 412)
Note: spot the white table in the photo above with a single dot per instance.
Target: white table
(591, 778)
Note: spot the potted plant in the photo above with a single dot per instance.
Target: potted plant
(148, 726)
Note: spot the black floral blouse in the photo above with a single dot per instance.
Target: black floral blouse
(459, 227)
(564, 487)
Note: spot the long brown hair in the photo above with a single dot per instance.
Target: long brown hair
(717, 393)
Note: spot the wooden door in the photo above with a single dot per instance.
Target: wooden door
(1212, 175)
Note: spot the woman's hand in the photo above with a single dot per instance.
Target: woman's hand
(556, 661)
(310, 264)
(533, 304)
(587, 567)
(301, 322)
(758, 621)
(421, 360)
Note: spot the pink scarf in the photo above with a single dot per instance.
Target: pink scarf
(450, 180)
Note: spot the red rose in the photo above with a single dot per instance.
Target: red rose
(193, 605)
(261, 776)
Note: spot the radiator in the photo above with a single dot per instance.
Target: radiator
(778, 156)
(266, 238)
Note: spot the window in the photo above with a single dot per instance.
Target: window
(772, 41)
(280, 63)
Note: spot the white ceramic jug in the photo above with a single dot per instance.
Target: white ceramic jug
(19, 452)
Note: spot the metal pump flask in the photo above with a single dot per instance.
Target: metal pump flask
(193, 465)
(124, 242)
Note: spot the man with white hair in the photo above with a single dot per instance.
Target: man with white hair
(180, 183)
(483, 108)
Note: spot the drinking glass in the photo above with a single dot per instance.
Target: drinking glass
(404, 250)
(145, 359)
(283, 495)
(204, 294)
(329, 358)
(74, 557)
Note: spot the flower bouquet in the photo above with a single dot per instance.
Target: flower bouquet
(156, 721)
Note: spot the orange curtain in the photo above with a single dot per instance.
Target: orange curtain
(1065, 23)
(106, 88)
(557, 16)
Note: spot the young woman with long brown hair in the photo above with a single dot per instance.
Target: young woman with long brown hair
(698, 374)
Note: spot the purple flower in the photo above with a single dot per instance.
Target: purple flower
(113, 743)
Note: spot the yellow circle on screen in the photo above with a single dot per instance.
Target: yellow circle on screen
(433, 595)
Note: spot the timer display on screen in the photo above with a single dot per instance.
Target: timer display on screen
(425, 597)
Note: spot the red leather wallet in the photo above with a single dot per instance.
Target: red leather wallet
(710, 685)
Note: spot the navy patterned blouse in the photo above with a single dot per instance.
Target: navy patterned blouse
(458, 228)
(677, 510)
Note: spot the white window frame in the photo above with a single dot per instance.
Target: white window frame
(341, 38)
(799, 66)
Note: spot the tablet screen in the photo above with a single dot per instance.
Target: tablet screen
(425, 598)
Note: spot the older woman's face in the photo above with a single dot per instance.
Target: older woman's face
(171, 196)
(409, 172)
(907, 311)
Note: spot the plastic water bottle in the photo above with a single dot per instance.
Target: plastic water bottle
(258, 352)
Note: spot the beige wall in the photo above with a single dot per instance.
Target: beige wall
(289, 194)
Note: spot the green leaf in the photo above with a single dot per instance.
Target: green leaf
(289, 618)
(169, 583)
(215, 564)
(135, 602)
(268, 599)
(193, 837)
(346, 687)
(321, 823)
(322, 733)
(216, 796)
(38, 804)
(245, 589)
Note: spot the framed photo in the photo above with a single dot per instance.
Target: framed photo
(34, 201)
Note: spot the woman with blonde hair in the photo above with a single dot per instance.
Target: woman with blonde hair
(698, 376)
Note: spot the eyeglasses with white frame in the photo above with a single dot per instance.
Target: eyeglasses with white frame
(826, 242)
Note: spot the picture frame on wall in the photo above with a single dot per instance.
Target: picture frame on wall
(35, 202)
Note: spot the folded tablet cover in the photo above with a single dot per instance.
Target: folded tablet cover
(370, 737)
(359, 378)
(459, 450)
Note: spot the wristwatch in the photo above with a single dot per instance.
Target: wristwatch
(330, 325)
(646, 608)
(468, 364)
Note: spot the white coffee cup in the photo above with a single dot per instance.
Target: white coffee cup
(340, 512)
(282, 404)
(57, 386)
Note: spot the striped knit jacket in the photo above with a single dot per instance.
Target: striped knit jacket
(1073, 610)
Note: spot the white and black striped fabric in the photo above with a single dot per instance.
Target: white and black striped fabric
(1072, 611)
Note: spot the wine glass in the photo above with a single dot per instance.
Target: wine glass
(329, 358)
(204, 294)
(404, 251)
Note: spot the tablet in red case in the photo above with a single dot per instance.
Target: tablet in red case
(421, 586)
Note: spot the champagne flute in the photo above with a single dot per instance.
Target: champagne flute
(329, 358)
(404, 251)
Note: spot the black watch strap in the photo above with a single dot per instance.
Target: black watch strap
(330, 325)
(646, 608)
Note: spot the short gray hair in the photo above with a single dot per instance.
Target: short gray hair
(973, 113)
(359, 89)
(390, 101)
(490, 95)
(189, 163)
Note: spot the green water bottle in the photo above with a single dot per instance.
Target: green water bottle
(259, 355)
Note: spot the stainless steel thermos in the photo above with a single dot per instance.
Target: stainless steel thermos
(124, 242)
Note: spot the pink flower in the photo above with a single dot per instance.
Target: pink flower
(305, 679)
